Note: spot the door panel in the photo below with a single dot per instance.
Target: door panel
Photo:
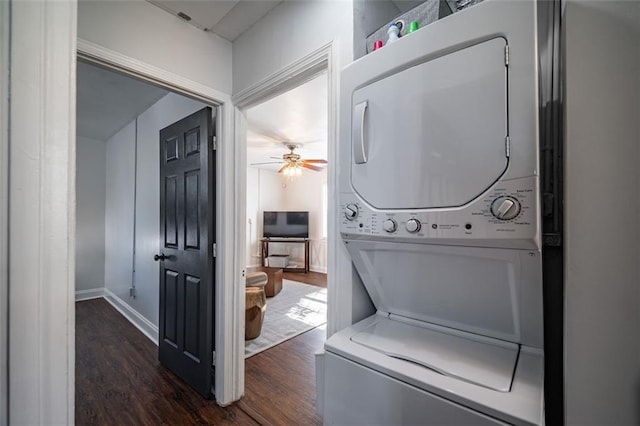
(191, 323)
(192, 142)
(171, 212)
(192, 207)
(434, 134)
(187, 265)
(171, 149)
(170, 332)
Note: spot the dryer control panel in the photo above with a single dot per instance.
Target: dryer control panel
(504, 216)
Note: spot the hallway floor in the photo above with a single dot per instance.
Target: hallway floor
(120, 381)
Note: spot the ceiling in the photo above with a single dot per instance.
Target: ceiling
(230, 18)
(298, 116)
(226, 18)
(107, 101)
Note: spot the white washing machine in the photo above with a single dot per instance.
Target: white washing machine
(438, 182)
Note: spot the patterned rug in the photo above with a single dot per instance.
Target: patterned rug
(297, 308)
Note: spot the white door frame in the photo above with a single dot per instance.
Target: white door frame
(39, 239)
(294, 75)
(4, 211)
(225, 206)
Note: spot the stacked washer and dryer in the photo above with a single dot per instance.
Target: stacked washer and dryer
(439, 190)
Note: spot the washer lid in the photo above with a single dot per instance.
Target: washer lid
(485, 362)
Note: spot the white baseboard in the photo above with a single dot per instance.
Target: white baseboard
(92, 293)
(141, 323)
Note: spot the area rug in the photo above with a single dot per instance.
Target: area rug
(297, 308)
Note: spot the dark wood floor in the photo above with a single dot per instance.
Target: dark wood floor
(120, 381)
(280, 382)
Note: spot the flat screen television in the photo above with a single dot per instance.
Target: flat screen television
(285, 225)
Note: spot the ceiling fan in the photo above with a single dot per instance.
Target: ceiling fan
(294, 163)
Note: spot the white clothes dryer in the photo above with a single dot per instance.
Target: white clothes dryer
(438, 179)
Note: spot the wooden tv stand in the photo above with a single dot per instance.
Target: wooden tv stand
(264, 252)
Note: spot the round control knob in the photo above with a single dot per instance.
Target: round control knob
(389, 225)
(505, 208)
(351, 211)
(413, 225)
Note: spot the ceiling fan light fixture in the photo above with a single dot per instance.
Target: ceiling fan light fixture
(291, 169)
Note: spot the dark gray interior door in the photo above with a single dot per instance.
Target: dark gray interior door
(187, 218)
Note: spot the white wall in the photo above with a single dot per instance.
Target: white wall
(304, 193)
(252, 254)
(264, 192)
(120, 184)
(602, 341)
(287, 33)
(120, 211)
(149, 34)
(268, 190)
(90, 213)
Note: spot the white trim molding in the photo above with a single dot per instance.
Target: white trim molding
(145, 326)
(226, 272)
(42, 212)
(288, 78)
(91, 52)
(92, 293)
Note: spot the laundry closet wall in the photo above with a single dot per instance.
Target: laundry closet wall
(135, 174)
(602, 276)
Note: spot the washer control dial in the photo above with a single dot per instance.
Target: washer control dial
(413, 225)
(351, 211)
(390, 225)
(505, 207)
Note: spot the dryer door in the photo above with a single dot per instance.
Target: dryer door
(433, 135)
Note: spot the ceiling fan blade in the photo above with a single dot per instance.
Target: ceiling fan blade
(282, 168)
(318, 161)
(276, 158)
(269, 162)
(310, 167)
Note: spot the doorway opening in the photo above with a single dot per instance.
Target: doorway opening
(285, 133)
(118, 239)
(287, 214)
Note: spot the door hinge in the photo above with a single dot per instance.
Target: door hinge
(214, 143)
(506, 55)
(215, 250)
(507, 146)
(213, 358)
